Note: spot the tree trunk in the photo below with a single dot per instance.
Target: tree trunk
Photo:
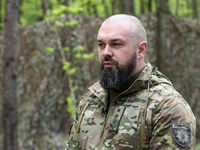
(1, 17)
(177, 6)
(95, 11)
(45, 7)
(106, 8)
(125, 6)
(163, 35)
(150, 5)
(195, 10)
(66, 2)
(132, 7)
(10, 76)
(114, 7)
(142, 6)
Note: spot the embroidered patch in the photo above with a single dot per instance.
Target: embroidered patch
(181, 132)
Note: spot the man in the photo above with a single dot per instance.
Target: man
(133, 105)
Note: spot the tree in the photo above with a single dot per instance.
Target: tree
(195, 10)
(125, 6)
(177, 7)
(45, 7)
(142, 6)
(10, 76)
(163, 35)
(132, 7)
(106, 8)
(150, 5)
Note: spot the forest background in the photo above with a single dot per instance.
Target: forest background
(50, 58)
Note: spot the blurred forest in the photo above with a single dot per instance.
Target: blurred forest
(55, 60)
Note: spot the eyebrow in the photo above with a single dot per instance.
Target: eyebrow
(112, 40)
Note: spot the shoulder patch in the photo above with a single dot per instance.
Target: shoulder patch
(181, 132)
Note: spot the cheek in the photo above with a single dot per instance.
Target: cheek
(100, 56)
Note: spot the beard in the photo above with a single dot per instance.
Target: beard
(112, 79)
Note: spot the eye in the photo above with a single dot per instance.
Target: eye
(101, 45)
(116, 44)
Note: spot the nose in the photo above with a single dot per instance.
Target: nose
(107, 52)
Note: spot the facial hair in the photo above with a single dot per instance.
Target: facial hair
(112, 79)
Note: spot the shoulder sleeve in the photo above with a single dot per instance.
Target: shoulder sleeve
(73, 143)
(174, 125)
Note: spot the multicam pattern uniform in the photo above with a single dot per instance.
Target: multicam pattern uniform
(142, 117)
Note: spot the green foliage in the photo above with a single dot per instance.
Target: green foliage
(58, 24)
(2, 13)
(31, 11)
(88, 56)
(49, 49)
(72, 71)
(66, 49)
(71, 23)
(78, 48)
(78, 52)
(66, 65)
(71, 108)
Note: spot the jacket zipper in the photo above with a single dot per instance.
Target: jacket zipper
(105, 122)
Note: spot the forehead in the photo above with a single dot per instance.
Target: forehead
(110, 31)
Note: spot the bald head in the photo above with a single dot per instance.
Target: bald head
(137, 31)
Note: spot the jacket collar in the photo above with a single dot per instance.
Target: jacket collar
(149, 74)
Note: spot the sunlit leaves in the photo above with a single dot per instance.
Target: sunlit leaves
(59, 10)
(31, 11)
(72, 71)
(71, 23)
(66, 49)
(78, 48)
(58, 23)
(85, 56)
(88, 56)
(78, 56)
(75, 88)
(66, 65)
(49, 49)
(71, 108)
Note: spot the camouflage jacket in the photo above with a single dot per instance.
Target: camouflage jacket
(150, 114)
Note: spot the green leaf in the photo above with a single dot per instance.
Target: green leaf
(88, 56)
(78, 55)
(66, 65)
(66, 49)
(49, 49)
(74, 9)
(71, 23)
(72, 71)
(58, 24)
(59, 10)
(71, 108)
(69, 100)
(60, 102)
(78, 48)
(75, 88)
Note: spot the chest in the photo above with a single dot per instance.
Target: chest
(118, 128)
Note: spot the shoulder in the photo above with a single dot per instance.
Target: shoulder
(171, 113)
(167, 102)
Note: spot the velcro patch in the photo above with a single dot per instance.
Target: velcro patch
(181, 132)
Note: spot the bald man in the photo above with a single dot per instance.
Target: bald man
(133, 105)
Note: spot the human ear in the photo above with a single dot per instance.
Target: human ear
(142, 48)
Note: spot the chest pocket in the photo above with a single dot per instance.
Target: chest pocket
(125, 120)
(115, 121)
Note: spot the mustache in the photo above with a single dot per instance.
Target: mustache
(110, 60)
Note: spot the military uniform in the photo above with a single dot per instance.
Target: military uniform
(149, 114)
